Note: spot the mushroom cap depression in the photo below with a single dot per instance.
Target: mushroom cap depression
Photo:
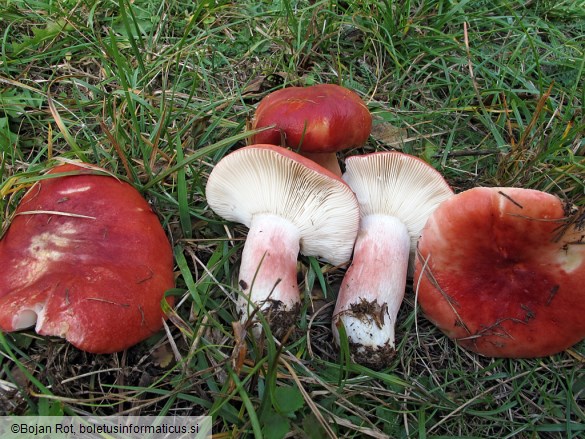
(399, 185)
(85, 258)
(322, 118)
(502, 272)
(268, 179)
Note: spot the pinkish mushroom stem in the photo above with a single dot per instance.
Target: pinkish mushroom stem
(268, 271)
(328, 160)
(374, 285)
(397, 193)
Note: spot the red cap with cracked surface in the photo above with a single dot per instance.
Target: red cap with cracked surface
(85, 258)
(502, 272)
(319, 119)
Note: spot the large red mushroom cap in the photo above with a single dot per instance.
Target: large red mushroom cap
(316, 121)
(502, 272)
(85, 258)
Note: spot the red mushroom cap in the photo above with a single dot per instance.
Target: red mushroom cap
(322, 118)
(85, 258)
(502, 272)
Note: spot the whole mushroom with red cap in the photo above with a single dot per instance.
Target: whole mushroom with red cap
(502, 272)
(290, 205)
(85, 258)
(315, 121)
(396, 193)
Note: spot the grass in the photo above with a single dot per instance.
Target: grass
(490, 93)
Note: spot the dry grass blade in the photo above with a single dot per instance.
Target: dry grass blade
(521, 145)
(55, 212)
(118, 150)
(330, 433)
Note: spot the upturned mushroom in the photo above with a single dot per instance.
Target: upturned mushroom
(85, 258)
(290, 205)
(315, 121)
(396, 193)
(502, 272)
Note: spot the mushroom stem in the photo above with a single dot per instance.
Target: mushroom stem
(373, 288)
(268, 274)
(328, 160)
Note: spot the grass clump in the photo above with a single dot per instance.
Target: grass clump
(490, 93)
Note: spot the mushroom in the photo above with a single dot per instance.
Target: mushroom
(396, 193)
(290, 204)
(86, 259)
(502, 272)
(315, 121)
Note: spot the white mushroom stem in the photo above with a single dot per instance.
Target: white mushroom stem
(268, 271)
(373, 287)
